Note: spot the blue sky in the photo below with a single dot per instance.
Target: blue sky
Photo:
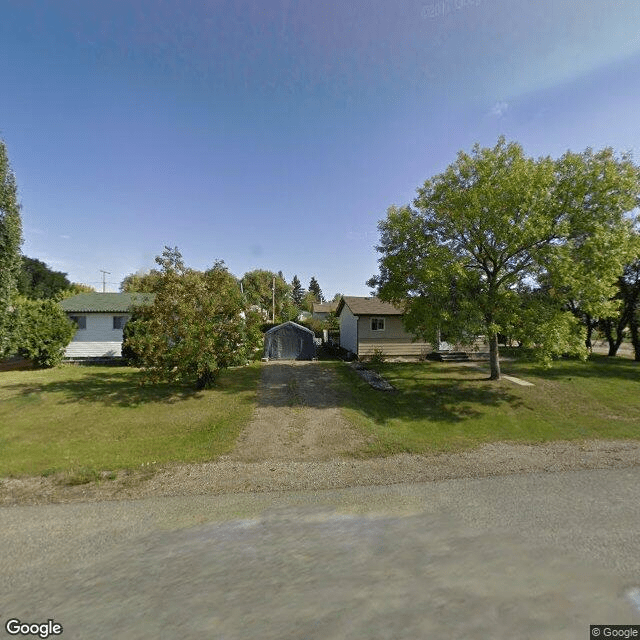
(275, 134)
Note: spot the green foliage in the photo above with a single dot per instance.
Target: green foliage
(141, 282)
(378, 356)
(593, 194)
(10, 242)
(331, 322)
(297, 292)
(315, 289)
(37, 281)
(43, 331)
(73, 290)
(494, 223)
(317, 326)
(258, 288)
(195, 327)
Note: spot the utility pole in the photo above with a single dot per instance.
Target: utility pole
(104, 284)
(273, 300)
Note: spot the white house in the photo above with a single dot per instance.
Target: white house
(100, 318)
(367, 324)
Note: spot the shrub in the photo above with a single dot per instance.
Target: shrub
(42, 331)
(378, 356)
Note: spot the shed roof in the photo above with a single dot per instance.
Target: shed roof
(368, 307)
(289, 323)
(105, 302)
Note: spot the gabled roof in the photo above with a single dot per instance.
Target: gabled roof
(289, 323)
(105, 302)
(324, 307)
(368, 307)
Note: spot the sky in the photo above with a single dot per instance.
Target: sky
(275, 134)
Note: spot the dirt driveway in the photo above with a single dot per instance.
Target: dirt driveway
(295, 442)
(298, 416)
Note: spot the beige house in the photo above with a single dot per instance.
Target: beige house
(322, 309)
(367, 324)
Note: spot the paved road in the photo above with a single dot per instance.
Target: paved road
(528, 556)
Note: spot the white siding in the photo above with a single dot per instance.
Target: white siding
(348, 330)
(98, 340)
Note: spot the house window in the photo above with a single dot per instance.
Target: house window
(377, 324)
(119, 322)
(81, 321)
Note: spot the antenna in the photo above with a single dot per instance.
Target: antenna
(104, 284)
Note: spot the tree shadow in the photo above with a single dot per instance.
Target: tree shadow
(566, 368)
(452, 398)
(112, 388)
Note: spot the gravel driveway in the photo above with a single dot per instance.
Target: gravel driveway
(298, 439)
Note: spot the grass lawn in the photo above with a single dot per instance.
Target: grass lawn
(89, 419)
(448, 407)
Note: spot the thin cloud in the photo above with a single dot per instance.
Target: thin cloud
(499, 109)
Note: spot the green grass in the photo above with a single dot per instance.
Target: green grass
(447, 407)
(86, 420)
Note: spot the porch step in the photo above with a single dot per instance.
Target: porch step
(449, 356)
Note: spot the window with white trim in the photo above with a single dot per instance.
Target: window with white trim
(377, 324)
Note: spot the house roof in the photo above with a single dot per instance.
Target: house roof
(324, 307)
(368, 307)
(105, 302)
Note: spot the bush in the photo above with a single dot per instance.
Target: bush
(378, 356)
(42, 331)
(131, 334)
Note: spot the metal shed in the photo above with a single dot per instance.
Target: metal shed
(289, 341)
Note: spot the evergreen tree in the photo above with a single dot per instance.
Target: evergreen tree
(297, 292)
(10, 241)
(314, 288)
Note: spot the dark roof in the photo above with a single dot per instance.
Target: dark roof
(295, 325)
(105, 302)
(368, 307)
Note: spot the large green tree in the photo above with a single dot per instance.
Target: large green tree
(488, 229)
(195, 327)
(595, 191)
(37, 281)
(10, 242)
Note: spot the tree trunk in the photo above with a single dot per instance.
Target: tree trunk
(614, 336)
(494, 356)
(635, 335)
(205, 380)
(590, 326)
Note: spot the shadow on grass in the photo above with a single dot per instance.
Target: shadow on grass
(454, 395)
(453, 398)
(124, 388)
(599, 366)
